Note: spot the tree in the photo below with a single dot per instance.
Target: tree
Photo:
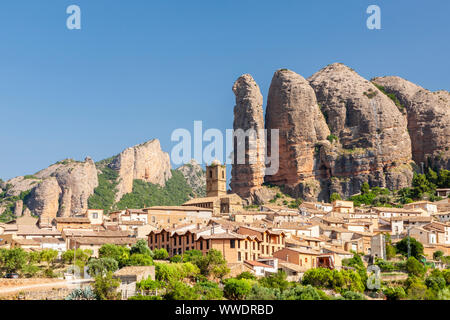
(161, 254)
(212, 263)
(275, 281)
(138, 259)
(335, 196)
(13, 260)
(141, 247)
(246, 275)
(437, 255)
(118, 253)
(102, 266)
(365, 188)
(81, 256)
(235, 289)
(416, 247)
(414, 267)
(49, 256)
(180, 291)
(390, 251)
(105, 287)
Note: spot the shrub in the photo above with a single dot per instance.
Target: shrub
(141, 297)
(275, 281)
(82, 294)
(236, 289)
(263, 293)
(176, 259)
(208, 290)
(246, 275)
(414, 267)
(299, 292)
(335, 196)
(105, 287)
(351, 295)
(394, 293)
(160, 254)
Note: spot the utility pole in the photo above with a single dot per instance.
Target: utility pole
(409, 243)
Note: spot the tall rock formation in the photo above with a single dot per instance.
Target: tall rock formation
(44, 200)
(292, 109)
(77, 181)
(248, 177)
(145, 162)
(195, 177)
(428, 120)
(372, 144)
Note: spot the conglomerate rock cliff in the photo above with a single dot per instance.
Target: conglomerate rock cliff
(370, 141)
(195, 177)
(77, 181)
(247, 177)
(338, 130)
(292, 109)
(144, 162)
(428, 120)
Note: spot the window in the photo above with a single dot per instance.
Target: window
(207, 244)
(193, 238)
(253, 246)
(179, 241)
(150, 239)
(95, 215)
(167, 236)
(232, 244)
(223, 174)
(239, 244)
(201, 245)
(245, 244)
(239, 256)
(210, 173)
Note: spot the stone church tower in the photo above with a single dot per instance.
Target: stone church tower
(216, 179)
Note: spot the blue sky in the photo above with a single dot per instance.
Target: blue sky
(137, 70)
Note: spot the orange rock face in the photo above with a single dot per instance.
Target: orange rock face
(428, 120)
(292, 109)
(248, 175)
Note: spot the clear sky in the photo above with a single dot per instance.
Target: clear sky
(139, 69)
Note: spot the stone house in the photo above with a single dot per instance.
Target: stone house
(130, 276)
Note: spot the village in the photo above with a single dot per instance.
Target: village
(259, 241)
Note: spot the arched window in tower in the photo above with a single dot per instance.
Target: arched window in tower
(210, 173)
(223, 174)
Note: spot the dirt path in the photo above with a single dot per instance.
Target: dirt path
(46, 285)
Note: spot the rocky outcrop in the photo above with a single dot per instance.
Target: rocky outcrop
(145, 162)
(248, 175)
(77, 181)
(292, 108)
(428, 120)
(195, 177)
(17, 185)
(44, 199)
(370, 141)
(18, 208)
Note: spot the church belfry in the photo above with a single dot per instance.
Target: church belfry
(216, 179)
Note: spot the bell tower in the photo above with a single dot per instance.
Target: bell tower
(216, 179)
